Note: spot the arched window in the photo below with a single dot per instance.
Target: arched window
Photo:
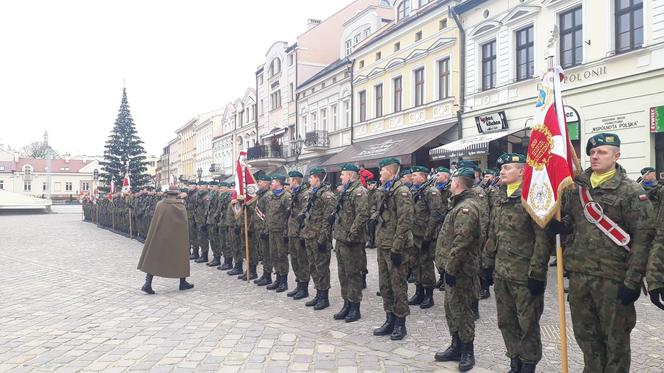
(403, 10)
(275, 67)
(27, 170)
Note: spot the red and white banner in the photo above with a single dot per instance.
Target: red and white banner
(126, 183)
(551, 160)
(112, 190)
(245, 184)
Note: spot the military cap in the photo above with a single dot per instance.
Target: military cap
(492, 171)
(388, 161)
(317, 170)
(263, 177)
(232, 184)
(442, 169)
(202, 182)
(295, 174)
(465, 163)
(279, 177)
(464, 171)
(507, 158)
(602, 139)
(213, 183)
(419, 169)
(406, 171)
(224, 184)
(371, 182)
(350, 167)
(184, 190)
(647, 170)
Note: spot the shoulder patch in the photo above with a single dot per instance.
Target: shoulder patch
(643, 197)
(465, 210)
(405, 194)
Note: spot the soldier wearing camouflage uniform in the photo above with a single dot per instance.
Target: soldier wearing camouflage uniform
(278, 209)
(427, 219)
(191, 208)
(212, 224)
(223, 201)
(443, 186)
(458, 252)
(374, 196)
(605, 278)
(518, 255)
(393, 234)
(655, 270)
(296, 247)
(260, 228)
(350, 222)
(200, 216)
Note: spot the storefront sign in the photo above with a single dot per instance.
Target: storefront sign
(584, 75)
(491, 122)
(618, 122)
(573, 122)
(657, 119)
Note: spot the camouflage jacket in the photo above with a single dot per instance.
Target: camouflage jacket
(395, 219)
(483, 204)
(428, 213)
(298, 204)
(457, 247)
(202, 207)
(260, 208)
(517, 247)
(592, 252)
(228, 220)
(191, 204)
(352, 214)
(374, 198)
(223, 200)
(278, 210)
(213, 210)
(655, 269)
(316, 224)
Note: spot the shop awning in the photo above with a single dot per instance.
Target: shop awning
(400, 146)
(469, 146)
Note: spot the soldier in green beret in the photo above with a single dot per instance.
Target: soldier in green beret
(350, 220)
(605, 267)
(517, 251)
(278, 210)
(655, 270)
(200, 215)
(428, 210)
(296, 247)
(406, 176)
(191, 208)
(458, 252)
(374, 195)
(443, 187)
(258, 221)
(394, 234)
(212, 224)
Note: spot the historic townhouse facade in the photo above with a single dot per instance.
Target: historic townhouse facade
(612, 54)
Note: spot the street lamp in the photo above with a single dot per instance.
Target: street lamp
(199, 172)
(297, 147)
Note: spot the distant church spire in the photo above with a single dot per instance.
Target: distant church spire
(45, 137)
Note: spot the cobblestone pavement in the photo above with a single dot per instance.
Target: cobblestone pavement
(70, 301)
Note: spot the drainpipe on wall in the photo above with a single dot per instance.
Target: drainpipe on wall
(462, 70)
(297, 131)
(352, 103)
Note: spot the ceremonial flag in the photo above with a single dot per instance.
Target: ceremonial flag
(126, 184)
(112, 192)
(551, 160)
(245, 184)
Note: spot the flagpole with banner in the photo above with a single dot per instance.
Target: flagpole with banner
(245, 186)
(550, 169)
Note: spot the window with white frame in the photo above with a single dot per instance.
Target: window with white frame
(571, 38)
(443, 78)
(275, 67)
(292, 92)
(335, 120)
(304, 122)
(403, 10)
(489, 65)
(629, 25)
(275, 99)
(418, 76)
(347, 121)
(398, 92)
(525, 53)
(363, 105)
(2, 184)
(349, 47)
(378, 94)
(27, 186)
(323, 119)
(314, 121)
(85, 186)
(68, 186)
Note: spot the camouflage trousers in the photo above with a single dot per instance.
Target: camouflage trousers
(392, 284)
(519, 313)
(236, 242)
(350, 268)
(192, 233)
(264, 252)
(279, 252)
(602, 324)
(459, 301)
(239, 247)
(298, 258)
(319, 264)
(215, 240)
(422, 264)
(203, 238)
(225, 241)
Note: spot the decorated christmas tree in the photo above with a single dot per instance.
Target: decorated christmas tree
(124, 152)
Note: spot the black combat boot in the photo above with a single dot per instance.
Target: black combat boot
(184, 285)
(387, 326)
(417, 297)
(216, 260)
(203, 258)
(515, 365)
(228, 264)
(194, 253)
(399, 331)
(485, 293)
(260, 278)
(453, 352)
(354, 313)
(237, 269)
(467, 359)
(266, 279)
(252, 272)
(343, 312)
(427, 301)
(147, 287)
(303, 291)
(527, 367)
(294, 291)
(243, 276)
(283, 285)
(313, 302)
(275, 284)
(322, 302)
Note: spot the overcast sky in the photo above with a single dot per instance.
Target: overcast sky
(62, 63)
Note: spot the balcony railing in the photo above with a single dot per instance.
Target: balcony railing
(267, 151)
(316, 139)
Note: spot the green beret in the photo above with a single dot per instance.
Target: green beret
(464, 171)
(465, 163)
(295, 174)
(602, 139)
(371, 182)
(350, 167)
(419, 169)
(213, 183)
(263, 177)
(507, 158)
(184, 190)
(442, 169)
(224, 184)
(388, 161)
(405, 171)
(232, 184)
(317, 170)
(279, 177)
(647, 170)
(258, 173)
(203, 182)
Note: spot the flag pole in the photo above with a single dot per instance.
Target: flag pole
(246, 229)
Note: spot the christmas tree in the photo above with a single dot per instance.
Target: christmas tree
(124, 152)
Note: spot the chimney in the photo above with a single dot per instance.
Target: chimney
(311, 23)
(67, 156)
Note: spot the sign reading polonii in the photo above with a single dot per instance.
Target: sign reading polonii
(491, 122)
